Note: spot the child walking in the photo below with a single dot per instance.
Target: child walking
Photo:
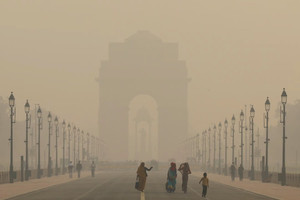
(205, 184)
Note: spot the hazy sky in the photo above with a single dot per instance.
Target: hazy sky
(237, 52)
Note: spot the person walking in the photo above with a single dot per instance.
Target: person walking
(78, 168)
(142, 176)
(93, 167)
(205, 184)
(172, 175)
(185, 171)
(232, 171)
(241, 172)
(70, 169)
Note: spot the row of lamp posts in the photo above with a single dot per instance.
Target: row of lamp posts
(241, 127)
(12, 173)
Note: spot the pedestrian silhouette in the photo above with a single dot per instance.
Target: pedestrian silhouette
(185, 171)
(205, 184)
(172, 175)
(93, 167)
(232, 171)
(78, 168)
(70, 169)
(241, 172)
(142, 176)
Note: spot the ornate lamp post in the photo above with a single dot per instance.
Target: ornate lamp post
(252, 114)
(209, 160)
(56, 145)
(12, 121)
(74, 154)
(283, 112)
(220, 128)
(88, 146)
(197, 149)
(98, 148)
(241, 129)
(93, 147)
(266, 117)
(82, 146)
(78, 142)
(64, 138)
(49, 143)
(215, 130)
(233, 146)
(203, 160)
(226, 147)
(204, 152)
(69, 145)
(39, 115)
(27, 110)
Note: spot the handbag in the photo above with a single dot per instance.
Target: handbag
(137, 183)
(166, 185)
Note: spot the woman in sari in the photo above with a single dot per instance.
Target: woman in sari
(172, 175)
(142, 175)
(185, 171)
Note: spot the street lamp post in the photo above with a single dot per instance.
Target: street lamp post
(82, 146)
(39, 115)
(69, 144)
(233, 146)
(252, 114)
(203, 160)
(64, 138)
(27, 110)
(191, 145)
(215, 130)
(266, 117)
(209, 160)
(78, 149)
(226, 147)
(283, 101)
(220, 128)
(56, 145)
(92, 147)
(88, 146)
(241, 129)
(197, 149)
(12, 121)
(74, 154)
(49, 143)
(204, 134)
(98, 148)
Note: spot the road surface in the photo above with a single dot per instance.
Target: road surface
(120, 186)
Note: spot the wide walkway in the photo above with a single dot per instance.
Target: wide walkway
(268, 189)
(13, 189)
(120, 186)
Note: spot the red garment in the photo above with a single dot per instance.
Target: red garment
(173, 166)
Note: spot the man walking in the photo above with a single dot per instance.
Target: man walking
(241, 172)
(93, 166)
(78, 168)
(232, 171)
(70, 169)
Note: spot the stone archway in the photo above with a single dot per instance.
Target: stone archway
(143, 128)
(143, 64)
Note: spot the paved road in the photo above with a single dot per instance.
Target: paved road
(120, 186)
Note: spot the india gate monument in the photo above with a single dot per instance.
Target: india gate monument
(143, 111)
